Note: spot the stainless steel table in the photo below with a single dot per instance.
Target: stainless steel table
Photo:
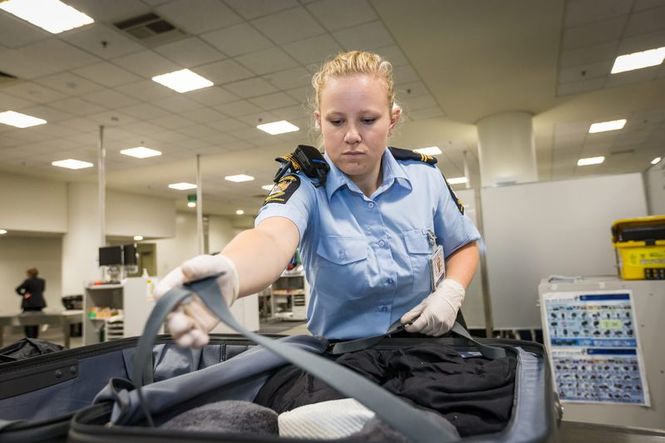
(63, 318)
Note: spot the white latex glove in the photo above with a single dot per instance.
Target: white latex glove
(191, 321)
(436, 314)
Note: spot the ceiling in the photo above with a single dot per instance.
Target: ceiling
(455, 63)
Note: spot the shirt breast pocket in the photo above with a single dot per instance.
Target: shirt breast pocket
(419, 250)
(342, 265)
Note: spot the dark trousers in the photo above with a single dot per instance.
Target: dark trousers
(31, 331)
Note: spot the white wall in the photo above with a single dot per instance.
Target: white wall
(20, 253)
(130, 215)
(220, 232)
(30, 204)
(173, 251)
(654, 180)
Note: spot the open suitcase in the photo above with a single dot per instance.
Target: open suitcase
(122, 412)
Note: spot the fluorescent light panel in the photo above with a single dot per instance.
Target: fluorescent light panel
(191, 204)
(267, 187)
(13, 118)
(279, 127)
(239, 178)
(70, 163)
(590, 161)
(432, 150)
(638, 60)
(138, 237)
(457, 180)
(140, 152)
(656, 160)
(239, 212)
(3, 231)
(182, 186)
(612, 125)
(52, 15)
(182, 81)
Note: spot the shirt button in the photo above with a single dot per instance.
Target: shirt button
(390, 281)
(382, 243)
(370, 205)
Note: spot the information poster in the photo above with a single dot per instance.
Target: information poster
(594, 347)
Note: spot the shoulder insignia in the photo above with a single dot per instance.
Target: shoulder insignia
(405, 154)
(283, 190)
(457, 201)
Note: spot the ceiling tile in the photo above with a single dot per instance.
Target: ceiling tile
(239, 108)
(147, 90)
(102, 40)
(106, 74)
(405, 74)
(288, 26)
(199, 131)
(204, 16)
(178, 103)
(110, 12)
(81, 124)
(584, 72)
(580, 12)
(259, 8)
(47, 113)
(427, 113)
(393, 54)
(404, 91)
(214, 95)
(593, 34)
(289, 79)
(267, 60)
(190, 52)
(647, 4)
(292, 113)
(109, 99)
(273, 101)
(172, 122)
(11, 102)
(339, 14)
(251, 87)
(223, 72)
(638, 75)
(112, 119)
(59, 54)
(414, 103)
(33, 92)
(229, 124)
(588, 54)
(146, 64)
(642, 42)
(237, 40)
(15, 32)
(651, 20)
(313, 50)
(21, 65)
(368, 36)
(204, 115)
(68, 83)
(144, 111)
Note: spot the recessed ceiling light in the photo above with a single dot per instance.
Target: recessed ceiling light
(280, 127)
(191, 204)
(268, 187)
(140, 152)
(70, 163)
(590, 161)
(457, 180)
(239, 212)
(51, 15)
(19, 120)
(432, 150)
(3, 231)
(239, 178)
(638, 60)
(182, 186)
(182, 81)
(138, 237)
(656, 160)
(612, 125)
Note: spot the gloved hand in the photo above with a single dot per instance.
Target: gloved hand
(190, 322)
(436, 314)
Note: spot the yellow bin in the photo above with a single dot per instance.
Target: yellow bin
(640, 247)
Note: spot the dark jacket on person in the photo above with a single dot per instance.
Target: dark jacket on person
(35, 286)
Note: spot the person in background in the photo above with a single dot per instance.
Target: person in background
(369, 236)
(32, 290)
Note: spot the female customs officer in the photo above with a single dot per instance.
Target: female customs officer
(373, 233)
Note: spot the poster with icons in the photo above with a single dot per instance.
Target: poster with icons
(594, 347)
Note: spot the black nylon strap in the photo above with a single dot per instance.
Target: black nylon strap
(411, 422)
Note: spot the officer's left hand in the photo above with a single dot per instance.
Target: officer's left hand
(436, 314)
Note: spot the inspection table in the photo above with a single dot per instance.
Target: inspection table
(63, 318)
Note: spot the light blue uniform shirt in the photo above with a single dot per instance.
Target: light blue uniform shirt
(367, 258)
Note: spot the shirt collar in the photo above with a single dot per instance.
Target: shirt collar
(392, 171)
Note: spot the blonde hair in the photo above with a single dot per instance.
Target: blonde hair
(355, 62)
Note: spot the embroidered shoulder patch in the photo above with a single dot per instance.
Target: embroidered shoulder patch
(283, 190)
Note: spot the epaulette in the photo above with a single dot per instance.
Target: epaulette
(405, 154)
(307, 159)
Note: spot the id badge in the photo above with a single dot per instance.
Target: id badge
(437, 266)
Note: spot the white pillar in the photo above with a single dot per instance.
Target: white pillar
(506, 149)
(80, 244)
